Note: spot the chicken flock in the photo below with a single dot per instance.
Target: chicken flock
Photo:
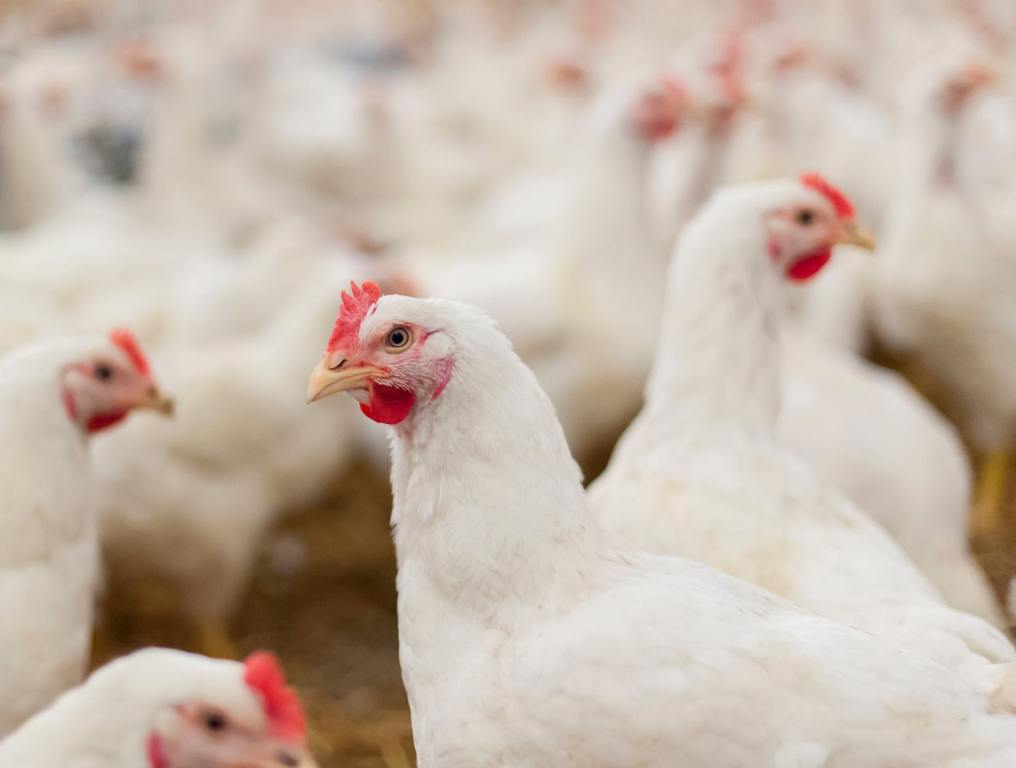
(763, 252)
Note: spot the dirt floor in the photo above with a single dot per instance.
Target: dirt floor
(332, 620)
(997, 554)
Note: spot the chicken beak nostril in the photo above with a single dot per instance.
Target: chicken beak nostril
(287, 759)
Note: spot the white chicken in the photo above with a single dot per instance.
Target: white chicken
(55, 394)
(850, 420)
(168, 709)
(530, 636)
(701, 473)
(948, 273)
(241, 452)
(818, 120)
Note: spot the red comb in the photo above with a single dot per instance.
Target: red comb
(844, 208)
(263, 674)
(354, 308)
(126, 341)
(729, 68)
(731, 55)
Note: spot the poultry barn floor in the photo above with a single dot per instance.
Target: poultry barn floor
(323, 597)
(997, 555)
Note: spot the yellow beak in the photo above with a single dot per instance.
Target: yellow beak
(854, 235)
(156, 401)
(325, 381)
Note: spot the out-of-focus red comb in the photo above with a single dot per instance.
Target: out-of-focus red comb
(731, 56)
(263, 674)
(844, 208)
(729, 67)
(125, 340)
(355, 305)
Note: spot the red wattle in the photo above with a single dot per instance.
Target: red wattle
(156, 755)
(388, 405)
(808, 266)
(104, 420)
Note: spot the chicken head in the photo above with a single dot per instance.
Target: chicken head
(204, 734)
(801, 235)
(102, 389)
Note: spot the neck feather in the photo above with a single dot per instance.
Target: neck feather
(718, 355)
(487, 495)
(608, 249)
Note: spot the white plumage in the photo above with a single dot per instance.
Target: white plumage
(49, 566)
(241, 451)
(948, 270)
(701, 473)
(529, 636)
(117, 717)
(197, 171)
(603, 260)
(864, 430)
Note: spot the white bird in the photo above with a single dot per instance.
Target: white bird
(241, 452)
(852, 421)
(55, 394)
(530, 636)
(160, 708)
(701, 472)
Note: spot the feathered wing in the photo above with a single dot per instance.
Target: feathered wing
(670, 663)
(45, 651)
(48, 558)
(776, 526)
(896, 457)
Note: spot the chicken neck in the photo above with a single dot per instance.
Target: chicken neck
(489, 513)
(718, 353)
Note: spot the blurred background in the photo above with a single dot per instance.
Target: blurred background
(212, 174)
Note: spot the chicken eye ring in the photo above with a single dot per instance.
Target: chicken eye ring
(398, 339)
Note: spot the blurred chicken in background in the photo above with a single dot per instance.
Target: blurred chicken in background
(213, 174)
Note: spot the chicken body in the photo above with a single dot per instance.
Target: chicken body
(880, 423)
(850, 420)
(701, 472)
(49, 567)
(530, 636)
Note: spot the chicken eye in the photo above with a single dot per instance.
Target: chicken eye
(215, 722)
(805, 217)
(103, 372)
(398, 339)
